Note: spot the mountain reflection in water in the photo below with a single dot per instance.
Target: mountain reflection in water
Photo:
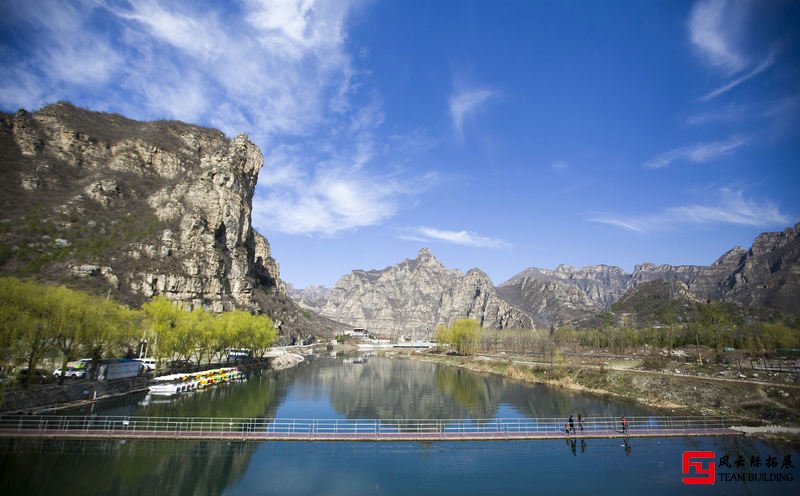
(386, 388)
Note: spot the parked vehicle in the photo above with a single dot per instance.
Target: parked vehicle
(119, 368)
(150, 363)
(238, 353)
(72, 372)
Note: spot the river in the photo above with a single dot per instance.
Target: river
(386, 388)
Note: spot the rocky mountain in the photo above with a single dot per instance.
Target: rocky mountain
(767, 277)
(566, 293)
(310, 296)
(768, 274)
(134, 209)
(412, 297)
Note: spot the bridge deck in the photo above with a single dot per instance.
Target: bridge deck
(356, 436)
(270, 429)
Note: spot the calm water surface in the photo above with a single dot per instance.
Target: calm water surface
(382, 388)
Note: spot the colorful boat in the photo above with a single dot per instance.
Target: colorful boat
(180, 383)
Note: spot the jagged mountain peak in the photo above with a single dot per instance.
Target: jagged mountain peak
(424, 253)
(733, 256)
(415, 295)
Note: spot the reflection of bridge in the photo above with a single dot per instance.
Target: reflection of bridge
(262, 429)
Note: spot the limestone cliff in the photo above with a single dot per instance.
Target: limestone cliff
(412, 297)
(134, 209)
(768, 274)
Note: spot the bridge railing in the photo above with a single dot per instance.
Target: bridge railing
(291, 427)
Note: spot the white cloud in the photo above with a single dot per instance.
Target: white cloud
(731, 207)
(69, 53)
(719, 30)
(333, 189)
(713, 29)
(278, 67)
(463, 238)
(466, 102)
(697, 153)
(763, 66)
(559, 165)
(328, 203)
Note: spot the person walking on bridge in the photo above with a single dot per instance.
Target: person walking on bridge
(624, 424)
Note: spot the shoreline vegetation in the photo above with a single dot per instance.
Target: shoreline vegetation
(45, 326)
(753, 403)
(659, 367)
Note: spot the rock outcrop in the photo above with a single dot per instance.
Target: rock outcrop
(768, 274)
(566, 293)
(135, 209)
(412, 297)
(766, 277)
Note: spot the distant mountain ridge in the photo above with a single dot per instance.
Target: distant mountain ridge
(419, 293)
(411, 298)
(765, 276)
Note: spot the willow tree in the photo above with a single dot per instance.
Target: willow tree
(160, 317)
(108, 327)
(263, 335)
(26, 327)
(70, 317)
(466, 334)
(463, 335)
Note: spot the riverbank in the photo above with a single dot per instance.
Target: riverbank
(75, 393)
(285, 360)
(750, 401)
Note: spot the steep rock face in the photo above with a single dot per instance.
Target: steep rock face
(136, 209)
(768, 274)
(566, 293)
(414, 296)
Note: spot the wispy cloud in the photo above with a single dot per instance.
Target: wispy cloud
(463, 238)
(697, 153)
(779, 109)
(731, 207)
(279, 71)
(713, 29)
(466, 102)
(340, 192)
(763, 66)
(328, 204)
(559, 165)
(275, 67)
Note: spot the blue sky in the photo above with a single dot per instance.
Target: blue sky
(501, 135)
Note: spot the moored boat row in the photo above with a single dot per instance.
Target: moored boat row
(184, 382)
